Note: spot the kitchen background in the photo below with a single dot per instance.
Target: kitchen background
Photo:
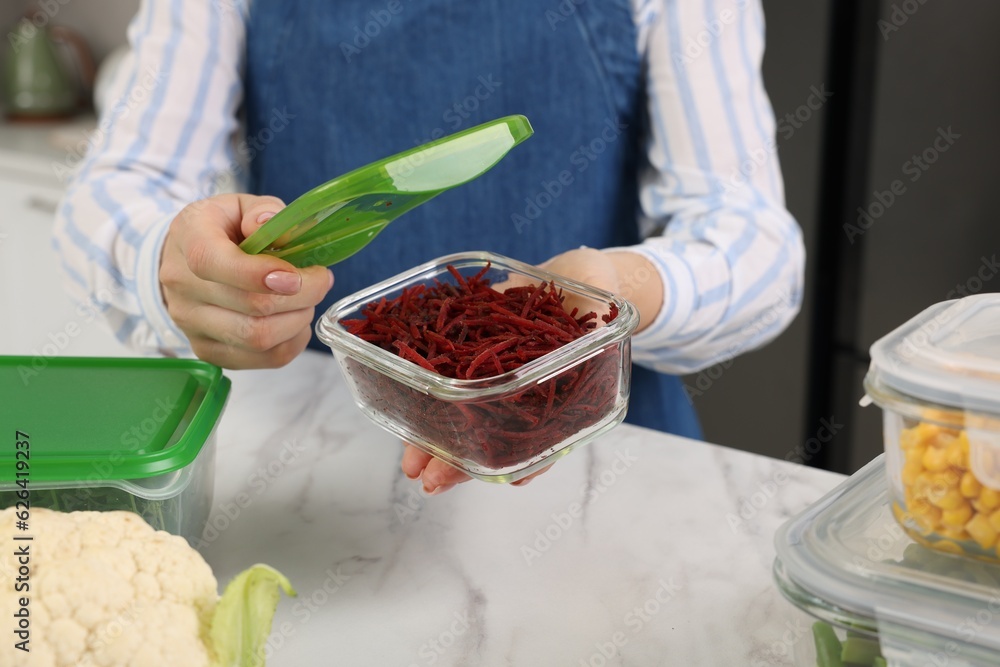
(859, 89)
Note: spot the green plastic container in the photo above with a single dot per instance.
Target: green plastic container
(112, 434)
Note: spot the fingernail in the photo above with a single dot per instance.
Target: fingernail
(522, 482)
(330, 286)
(439, 490)
(413, 476)
(264, 217)
(283, 282)
(431, 482)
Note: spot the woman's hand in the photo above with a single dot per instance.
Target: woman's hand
(627, 274)
(615, 272)
(237, 310)
(436, 475)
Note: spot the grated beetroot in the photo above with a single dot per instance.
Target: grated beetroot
(469, 331)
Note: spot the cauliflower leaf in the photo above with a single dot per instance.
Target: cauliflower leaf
(242, 620)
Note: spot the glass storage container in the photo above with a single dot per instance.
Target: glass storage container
(112, 434)
(847, 562)
(482, 426)
(937, 380)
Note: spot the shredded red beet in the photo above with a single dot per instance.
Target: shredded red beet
(468, 330)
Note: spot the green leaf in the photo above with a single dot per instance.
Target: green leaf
(242, 620)
(828, 646)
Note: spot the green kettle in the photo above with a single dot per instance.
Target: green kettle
(37, 82)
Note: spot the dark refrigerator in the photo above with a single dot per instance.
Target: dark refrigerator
(892, 182)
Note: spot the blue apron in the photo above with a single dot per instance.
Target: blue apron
(362, 79)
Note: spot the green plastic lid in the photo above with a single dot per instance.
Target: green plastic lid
(92, 419)
(333, 221)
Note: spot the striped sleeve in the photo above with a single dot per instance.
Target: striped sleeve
(729, 254)
(164, 137)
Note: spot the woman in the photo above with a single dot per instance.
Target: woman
(654, 142)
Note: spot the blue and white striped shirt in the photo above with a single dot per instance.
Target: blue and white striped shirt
(712, 214)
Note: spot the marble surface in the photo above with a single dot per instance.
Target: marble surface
(631, 551)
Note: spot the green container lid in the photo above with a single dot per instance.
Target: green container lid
(333, 221)
(92, 418)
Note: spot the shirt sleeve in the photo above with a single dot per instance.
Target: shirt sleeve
(164, 140)
(712, 215)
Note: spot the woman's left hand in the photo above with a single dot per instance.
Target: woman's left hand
(437, 475)
(585, 265)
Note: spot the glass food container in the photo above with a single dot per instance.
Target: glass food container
(880, 597)
(112, 434)
(937, 380)
(501, 428)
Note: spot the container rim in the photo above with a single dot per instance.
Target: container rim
(330, 332)
(887, 397)
(817, 607)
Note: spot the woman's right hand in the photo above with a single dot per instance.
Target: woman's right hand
(237, 310)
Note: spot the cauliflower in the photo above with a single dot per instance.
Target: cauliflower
(106, 590)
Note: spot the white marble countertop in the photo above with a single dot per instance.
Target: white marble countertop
(630, 551)
(632, 546)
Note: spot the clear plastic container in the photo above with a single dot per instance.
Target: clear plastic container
(937, 380)
(481, 426)
(113, 434)
(848, 565)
